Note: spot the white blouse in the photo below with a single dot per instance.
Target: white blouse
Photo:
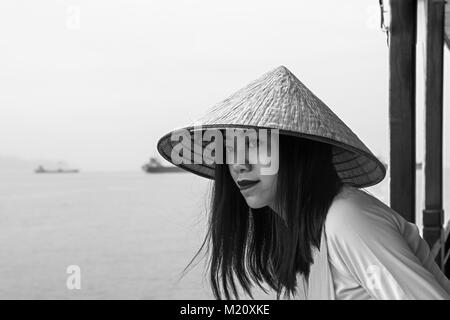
(374, 253)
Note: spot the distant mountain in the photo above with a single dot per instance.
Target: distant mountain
(11, 164)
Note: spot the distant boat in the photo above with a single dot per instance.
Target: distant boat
(154, 166)
(41, 169)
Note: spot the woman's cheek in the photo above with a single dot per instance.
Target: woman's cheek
(253, 156)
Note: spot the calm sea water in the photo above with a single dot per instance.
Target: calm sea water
(131, 234)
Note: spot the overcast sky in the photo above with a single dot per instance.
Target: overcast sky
(96, 82)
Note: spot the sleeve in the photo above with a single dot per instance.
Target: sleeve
(369, 246)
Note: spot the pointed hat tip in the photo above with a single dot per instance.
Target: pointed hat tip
(283, 69)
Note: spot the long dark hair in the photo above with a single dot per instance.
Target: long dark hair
(258, 245)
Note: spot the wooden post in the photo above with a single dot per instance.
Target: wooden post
(433, 214)
(402, 97)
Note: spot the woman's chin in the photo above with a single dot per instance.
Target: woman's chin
(254, 203)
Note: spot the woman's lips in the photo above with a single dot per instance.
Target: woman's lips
(247, 184)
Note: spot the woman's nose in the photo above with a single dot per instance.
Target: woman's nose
(241, 167)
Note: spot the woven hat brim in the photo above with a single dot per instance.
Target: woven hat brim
(355, 167)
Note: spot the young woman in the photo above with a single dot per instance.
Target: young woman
(308, 229)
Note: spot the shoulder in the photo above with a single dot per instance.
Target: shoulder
(345, 213)
(354, 214)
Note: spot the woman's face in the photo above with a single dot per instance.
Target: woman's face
(258, 189)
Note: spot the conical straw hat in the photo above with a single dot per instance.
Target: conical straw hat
(278, 100)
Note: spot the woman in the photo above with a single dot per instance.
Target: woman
(307, 229)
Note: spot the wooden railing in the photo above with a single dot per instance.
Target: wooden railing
(441, 251)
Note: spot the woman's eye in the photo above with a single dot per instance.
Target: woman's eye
(253, 144)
